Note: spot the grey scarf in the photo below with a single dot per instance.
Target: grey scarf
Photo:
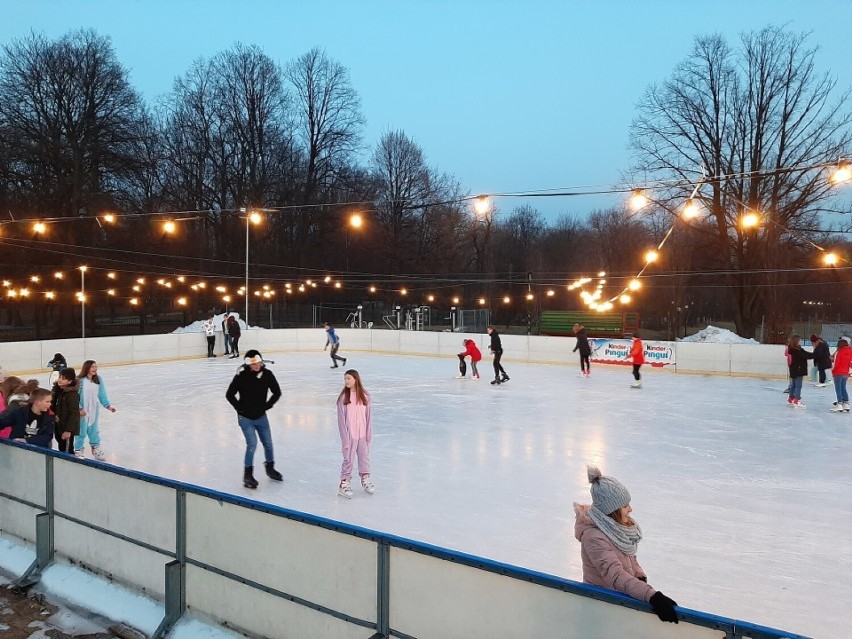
(625, 538)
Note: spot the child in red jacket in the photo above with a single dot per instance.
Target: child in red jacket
(469, 349)
(840, 373)
(637, 356)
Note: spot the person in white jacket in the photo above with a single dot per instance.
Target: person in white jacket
(209, 328)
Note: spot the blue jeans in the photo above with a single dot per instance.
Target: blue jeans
(227, 343)
(840, 388)
(796, 387)
(252, 429)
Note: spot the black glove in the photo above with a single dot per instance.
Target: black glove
(663, 607)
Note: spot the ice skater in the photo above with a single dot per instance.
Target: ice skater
(57, 364)
(609, 539)
(234, 333)
(840, 375)
(798, 369)
(637, 356)
(209, 328)
(226, 338)
(822, 359)
(252, 392)
(496, 348)
(470, 349)
(355, 423)
(93, 395)
(65, 404)
(334, 341)
(584, 348)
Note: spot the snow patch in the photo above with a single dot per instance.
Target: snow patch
(716, 335)
(195, 327)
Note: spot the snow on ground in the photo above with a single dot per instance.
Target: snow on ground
(716, 335)
(741, 498)
(196, 326)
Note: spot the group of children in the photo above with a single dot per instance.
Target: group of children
(68, 413)
(472, 350)
(230, 330)
(839, 363)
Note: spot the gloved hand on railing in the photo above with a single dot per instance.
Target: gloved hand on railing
(663, 607)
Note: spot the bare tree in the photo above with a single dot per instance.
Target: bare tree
(750, 114)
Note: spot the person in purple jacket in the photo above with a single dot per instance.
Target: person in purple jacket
(609, 539)
(32, 423)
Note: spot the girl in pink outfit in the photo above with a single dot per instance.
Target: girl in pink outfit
(354, 421)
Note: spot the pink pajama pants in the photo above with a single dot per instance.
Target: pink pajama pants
(350, 449)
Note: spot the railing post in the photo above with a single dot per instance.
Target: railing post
(383, 591)
(175, 575)
(44, 533)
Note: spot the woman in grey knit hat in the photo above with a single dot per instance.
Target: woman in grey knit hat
(609, 539)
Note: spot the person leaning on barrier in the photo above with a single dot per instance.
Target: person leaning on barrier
(33, 422)
(609, 539)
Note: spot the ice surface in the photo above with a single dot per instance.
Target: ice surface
(715, 335)
(743, 501)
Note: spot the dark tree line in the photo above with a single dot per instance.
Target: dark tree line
(240, 131)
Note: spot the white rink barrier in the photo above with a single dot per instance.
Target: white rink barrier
(757, 360)
(277, 573)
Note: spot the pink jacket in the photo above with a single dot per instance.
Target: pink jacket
(343, 427)
(605, 565)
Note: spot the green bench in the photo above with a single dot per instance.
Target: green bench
(596, 324)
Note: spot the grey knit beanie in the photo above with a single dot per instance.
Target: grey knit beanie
(608, 494)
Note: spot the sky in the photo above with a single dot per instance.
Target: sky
(505, 96)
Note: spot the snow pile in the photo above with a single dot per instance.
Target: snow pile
(195, 327)
(716, 335)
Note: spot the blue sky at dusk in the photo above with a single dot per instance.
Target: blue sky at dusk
(506, 96)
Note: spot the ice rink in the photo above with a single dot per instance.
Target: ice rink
(744, 502)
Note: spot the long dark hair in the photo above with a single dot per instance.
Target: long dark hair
(346, 393)
(84, 371)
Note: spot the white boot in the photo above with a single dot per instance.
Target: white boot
(345, 488)
(636, 384)
(367, 484)
(837, 408)
(98, 453)
(845, 407)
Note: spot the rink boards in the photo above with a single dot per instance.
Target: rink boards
(274, 572)
(760, 360)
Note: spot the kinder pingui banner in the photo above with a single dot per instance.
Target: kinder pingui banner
(615, 351)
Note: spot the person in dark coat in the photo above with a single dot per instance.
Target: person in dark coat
(798, 369)
(496, 348)
(253, 391)
(33, 422)
(65, 404)
(584, 348)
(235, 332)
(822, 358)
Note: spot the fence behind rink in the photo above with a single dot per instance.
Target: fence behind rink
(273, 572)
(760, 360)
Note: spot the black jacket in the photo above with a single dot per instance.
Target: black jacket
(234, 329)
(496, 345)
(65, 404)
(822, 356)
(583, 343)
(35, 429)
(799, 361)
(253, 390)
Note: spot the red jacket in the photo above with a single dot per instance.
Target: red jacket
(471, 349)
(842, 361)
(637, 352)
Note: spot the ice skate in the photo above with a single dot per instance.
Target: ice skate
(79, 454)
(345, 488)
(460, 376)
(335, 366)
(798, 404)
(636, 384)
(367, 484)
(98, 453)
(581, 374)
(820, 385)
(248, 477)
(475, 376)
(837, 408)
(344, 361)
(495, 381)
(845, 407)
(505, 378)
(271, 472)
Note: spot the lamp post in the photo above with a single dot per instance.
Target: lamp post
(252, 218)
(83, 300)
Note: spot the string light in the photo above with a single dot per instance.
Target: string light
(39, 227)
(843, 173)
(638, 200)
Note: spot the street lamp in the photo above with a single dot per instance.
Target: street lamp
(83, 299)
(252, 218)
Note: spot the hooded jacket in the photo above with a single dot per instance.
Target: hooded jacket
(822, 355)
(605, 565)
(842, 361)
(637, 352)
(253, 389)
(65, 404)
(471, 349)
(799, 361)
(583, 343)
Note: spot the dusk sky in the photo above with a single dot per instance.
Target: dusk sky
(506, 96)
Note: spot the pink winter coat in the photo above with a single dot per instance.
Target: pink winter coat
(605, 565)
(343, 425)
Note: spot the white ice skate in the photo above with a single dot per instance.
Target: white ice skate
(820, 385)
(98, 453)
(367, 484)
(79, 454)
(460, 376)
(837, 408)
(345, 488)
(845, 407)
(636, 384)
(798, 404)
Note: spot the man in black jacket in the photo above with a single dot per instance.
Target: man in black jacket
(496, 348)
(253, 384)
(822, 358)
(32, 423)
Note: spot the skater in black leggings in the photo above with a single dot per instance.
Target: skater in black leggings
(584, 348)
(234, 332)
(496, 348)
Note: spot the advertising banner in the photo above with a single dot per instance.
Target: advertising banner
(615, 351)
